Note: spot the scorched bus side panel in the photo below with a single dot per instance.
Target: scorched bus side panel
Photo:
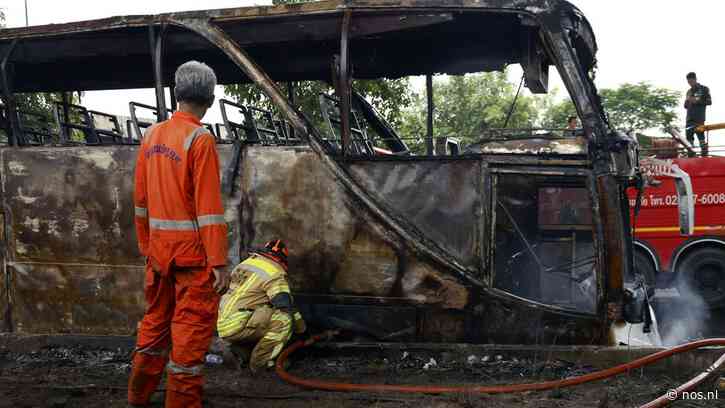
(73, 264)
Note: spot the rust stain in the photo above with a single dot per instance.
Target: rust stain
(427, 285)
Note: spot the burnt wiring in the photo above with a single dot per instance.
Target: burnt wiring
(567, 266)
(513, 103)
(521, 234)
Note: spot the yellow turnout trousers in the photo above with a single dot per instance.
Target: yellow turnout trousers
(246, 316)
(267, 329)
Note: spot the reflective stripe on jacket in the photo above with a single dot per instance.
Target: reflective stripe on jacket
(179, 214)
(254, 283)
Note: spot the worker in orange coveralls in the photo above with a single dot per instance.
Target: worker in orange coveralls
(181, 230)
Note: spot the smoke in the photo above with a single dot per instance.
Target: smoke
(684, 317)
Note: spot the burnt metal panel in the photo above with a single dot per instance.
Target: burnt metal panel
(383, 323)
(500, 318)
(358, 270)
(70, 205)
(494, 318)
(336, 246)
(441, 199)
(72, 258)
(287, 194)
(53, 297)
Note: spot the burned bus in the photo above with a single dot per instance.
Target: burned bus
(520, 239)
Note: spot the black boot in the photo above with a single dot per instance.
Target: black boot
(242, 353)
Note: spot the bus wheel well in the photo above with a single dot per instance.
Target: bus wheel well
(647, 252)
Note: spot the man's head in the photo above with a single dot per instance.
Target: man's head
(275, 250)
(571, 122)
(194, 87)
(692, 79)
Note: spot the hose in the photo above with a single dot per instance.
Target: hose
(502, 389)
(686, 387)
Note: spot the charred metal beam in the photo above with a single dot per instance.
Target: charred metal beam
(64, 136)
(534, 61)
(291, 92)
(172, 96)
(14, 137)
(220, 39)
(580, 87)
(429, 93)
(344, 82)
(156, 41)
(291, 97)
(615, 251)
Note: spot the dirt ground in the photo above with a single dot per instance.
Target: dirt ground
(73, 376)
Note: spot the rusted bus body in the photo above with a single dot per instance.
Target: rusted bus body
(400, 248)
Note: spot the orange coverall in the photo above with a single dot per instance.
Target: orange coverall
(181, 230)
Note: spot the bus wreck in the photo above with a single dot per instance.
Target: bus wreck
(521, 239)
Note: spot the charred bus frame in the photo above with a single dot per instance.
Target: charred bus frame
(364, 37)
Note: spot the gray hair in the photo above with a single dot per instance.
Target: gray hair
(195, 83)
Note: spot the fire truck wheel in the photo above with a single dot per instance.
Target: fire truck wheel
(644, 266)
(703, 271)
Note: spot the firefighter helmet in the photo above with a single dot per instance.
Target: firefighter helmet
(276, 250)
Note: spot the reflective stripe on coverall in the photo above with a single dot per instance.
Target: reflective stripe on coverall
(181, 230)
(245, 315)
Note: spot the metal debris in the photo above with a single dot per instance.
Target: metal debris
(430, 364)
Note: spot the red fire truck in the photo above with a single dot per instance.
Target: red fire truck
(698, 258)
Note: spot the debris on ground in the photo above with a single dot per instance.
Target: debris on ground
(65, 377)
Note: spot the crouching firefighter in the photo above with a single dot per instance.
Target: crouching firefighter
(258, 311)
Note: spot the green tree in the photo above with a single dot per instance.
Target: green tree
(554, 115)
(632, 108)
(640, 106)
(466, 106)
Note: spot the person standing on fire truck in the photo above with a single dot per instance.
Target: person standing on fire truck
(181, 230)
(696, 102)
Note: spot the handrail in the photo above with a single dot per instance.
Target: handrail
(232, 127)
(136, 124)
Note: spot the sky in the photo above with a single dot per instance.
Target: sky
(658, 41)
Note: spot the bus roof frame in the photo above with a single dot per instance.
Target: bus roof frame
(60, 49)
(61, 57)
